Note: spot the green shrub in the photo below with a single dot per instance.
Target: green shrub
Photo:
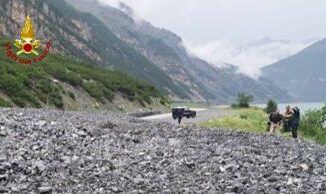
(57, 102)
(147, 99)
(141, 102)
(71, 95)
(94, 90)
(313, 125)
(163, 101)
(32, 85)
(4, 103)
(45, 86)
(10, 85)
(108, 94)
(29, 97)
(56, 98)
(271, 107)
(19, 101)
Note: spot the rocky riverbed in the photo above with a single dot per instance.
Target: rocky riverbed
(73, 152)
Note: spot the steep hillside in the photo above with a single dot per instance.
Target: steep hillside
(83, 36)
(165, 49)
(65, 83)
(303, 74)
(144, 38)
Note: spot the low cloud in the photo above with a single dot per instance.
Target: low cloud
(249, 57)
(128, 7)
(113, 3)
(154, 10)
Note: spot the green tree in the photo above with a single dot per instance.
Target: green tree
(243, 101)
(271, 106)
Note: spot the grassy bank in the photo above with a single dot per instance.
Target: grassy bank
(312, 126)
(250, 119)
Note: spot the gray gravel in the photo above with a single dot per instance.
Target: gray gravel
(55, 152)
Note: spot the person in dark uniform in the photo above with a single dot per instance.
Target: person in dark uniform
(292, 120)
(179, 119)
(295, 122)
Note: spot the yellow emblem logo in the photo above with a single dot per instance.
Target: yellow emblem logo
(27, 45)
(27, 42)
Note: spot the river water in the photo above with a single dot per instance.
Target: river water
(304, 107)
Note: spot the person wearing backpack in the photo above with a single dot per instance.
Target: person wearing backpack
(295, 122)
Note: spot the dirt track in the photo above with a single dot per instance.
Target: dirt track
(202, 116)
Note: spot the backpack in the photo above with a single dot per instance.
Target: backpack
(296, 112)
(296, 115)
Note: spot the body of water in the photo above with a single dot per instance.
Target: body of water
(303, 106)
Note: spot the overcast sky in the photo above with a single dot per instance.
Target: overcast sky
(235, 23)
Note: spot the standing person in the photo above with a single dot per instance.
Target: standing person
(287, 118)
(179, 119)
(295, 122)
(180, 115)
(275, 119)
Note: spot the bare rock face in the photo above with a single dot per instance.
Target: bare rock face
(166, 50)
(73, 152)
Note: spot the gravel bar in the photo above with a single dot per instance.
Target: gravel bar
(46, 151)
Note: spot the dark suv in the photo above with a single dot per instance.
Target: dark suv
(183, 112)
